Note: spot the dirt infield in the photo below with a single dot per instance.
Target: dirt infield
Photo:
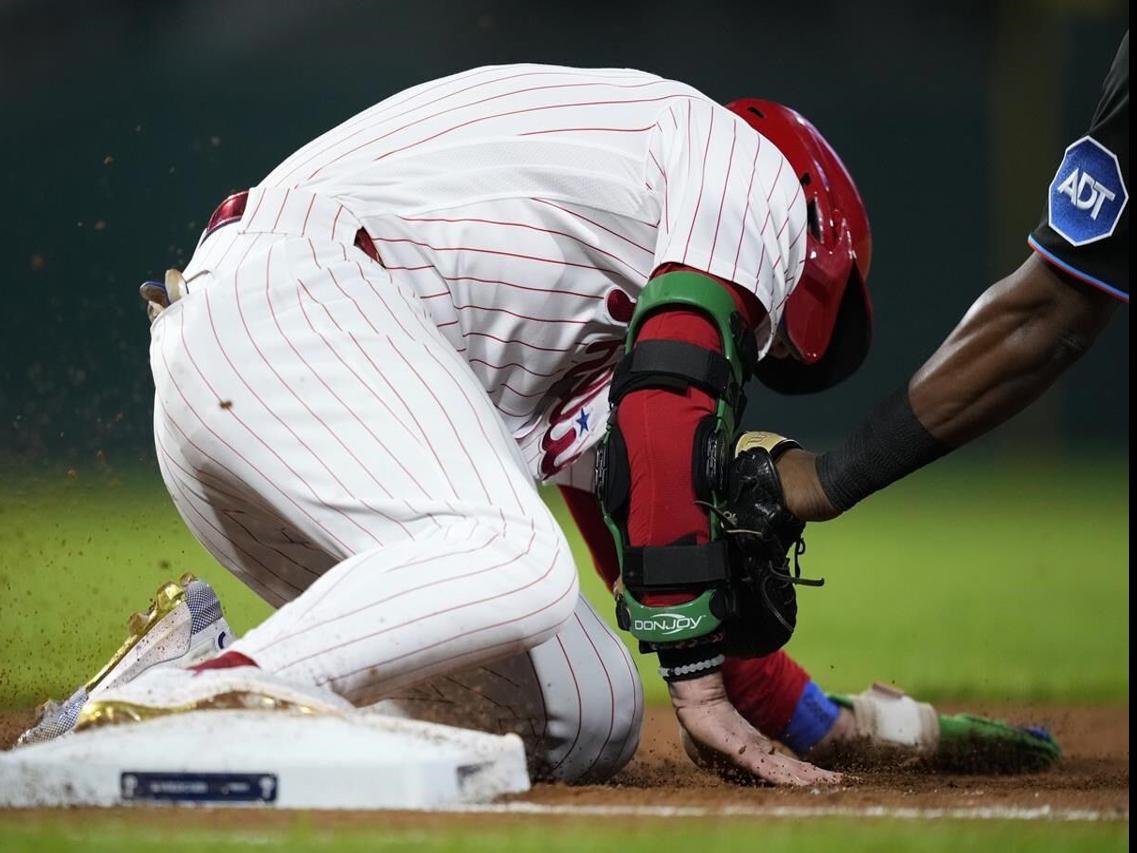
(1093, 775)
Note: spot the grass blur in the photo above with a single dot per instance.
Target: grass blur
(142, 832)
(966, 583)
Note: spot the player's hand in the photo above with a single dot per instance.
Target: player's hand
(804, 496)
(717, 738)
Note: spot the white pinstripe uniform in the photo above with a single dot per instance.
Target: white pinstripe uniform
(359, 441)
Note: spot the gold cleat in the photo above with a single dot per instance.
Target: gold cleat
(110, 712)
(183, 625)
(166, 599)
(169, 690)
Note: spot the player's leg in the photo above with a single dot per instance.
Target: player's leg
(576, 700)
(306, 378)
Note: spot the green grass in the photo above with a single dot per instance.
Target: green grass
(969, 582)
(122, 835)
(994, 582)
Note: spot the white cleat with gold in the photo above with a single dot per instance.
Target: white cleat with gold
(166, 691)
(183, 626)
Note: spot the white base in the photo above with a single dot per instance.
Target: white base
(266, 759)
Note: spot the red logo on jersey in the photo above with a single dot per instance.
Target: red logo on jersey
(575, 390)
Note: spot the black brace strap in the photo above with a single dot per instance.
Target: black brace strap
(675, 566)
(675, 366)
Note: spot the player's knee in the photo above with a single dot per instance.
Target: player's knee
(591, 741)
(557, 576)
(622, 744)
(539, 570)
(603, 750)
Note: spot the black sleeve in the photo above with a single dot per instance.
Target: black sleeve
(1085, 227)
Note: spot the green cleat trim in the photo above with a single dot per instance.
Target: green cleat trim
(980, 744)
(838, 699)
(973, 744)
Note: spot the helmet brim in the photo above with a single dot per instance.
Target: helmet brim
(848, 347)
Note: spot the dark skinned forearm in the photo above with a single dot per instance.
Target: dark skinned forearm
(1013, 343)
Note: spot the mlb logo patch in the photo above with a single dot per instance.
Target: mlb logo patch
(1087, 195)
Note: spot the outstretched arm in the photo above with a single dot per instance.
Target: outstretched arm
(1016, 340)
(1012, 345)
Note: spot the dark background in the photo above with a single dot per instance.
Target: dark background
(124, 123)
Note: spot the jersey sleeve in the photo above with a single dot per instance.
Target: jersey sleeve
(1084, 230)
(730, 204)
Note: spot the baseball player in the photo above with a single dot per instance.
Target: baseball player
(481, 283)
(1015, 341)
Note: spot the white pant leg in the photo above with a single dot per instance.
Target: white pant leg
(576, 700)
(310, 389)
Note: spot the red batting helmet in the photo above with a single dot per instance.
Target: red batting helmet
(828, 317)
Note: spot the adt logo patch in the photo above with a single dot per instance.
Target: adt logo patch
(1087, 194)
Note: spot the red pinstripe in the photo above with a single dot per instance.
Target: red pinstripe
(221, 536)
(446, 416)
(519, 255)
(377, 291)
(232, 449)
(526, 226)
(481, 428)
(702, 180)
(581, 216)
(439, 612)
(376, 113)
(307, 213)
(452, 662)
(298, 397)
(422, 431)
(296, 351)
(492, 310)
(725, 184)
(463, 634)
(557, 292)
(478, 119)
(522, 367)
(232, 242)
(256, 208)
(410, 475)
(544, 390)
(472, 334)
(312, 626)
(746, 211)
(611, 695)
(283, 203)
(522, 111)
(314, 601)
(543, 737)
(588, 129)
(579, 708)
(362, 351)
(633, 677)
(369, 114)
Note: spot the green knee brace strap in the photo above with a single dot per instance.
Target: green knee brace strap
(677, 366)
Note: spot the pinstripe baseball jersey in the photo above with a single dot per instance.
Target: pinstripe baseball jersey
(527, 206)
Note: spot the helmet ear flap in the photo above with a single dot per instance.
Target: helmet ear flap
(852, 337)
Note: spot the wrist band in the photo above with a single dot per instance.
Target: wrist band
(690, 670)
(679, 662)
(889, 444)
